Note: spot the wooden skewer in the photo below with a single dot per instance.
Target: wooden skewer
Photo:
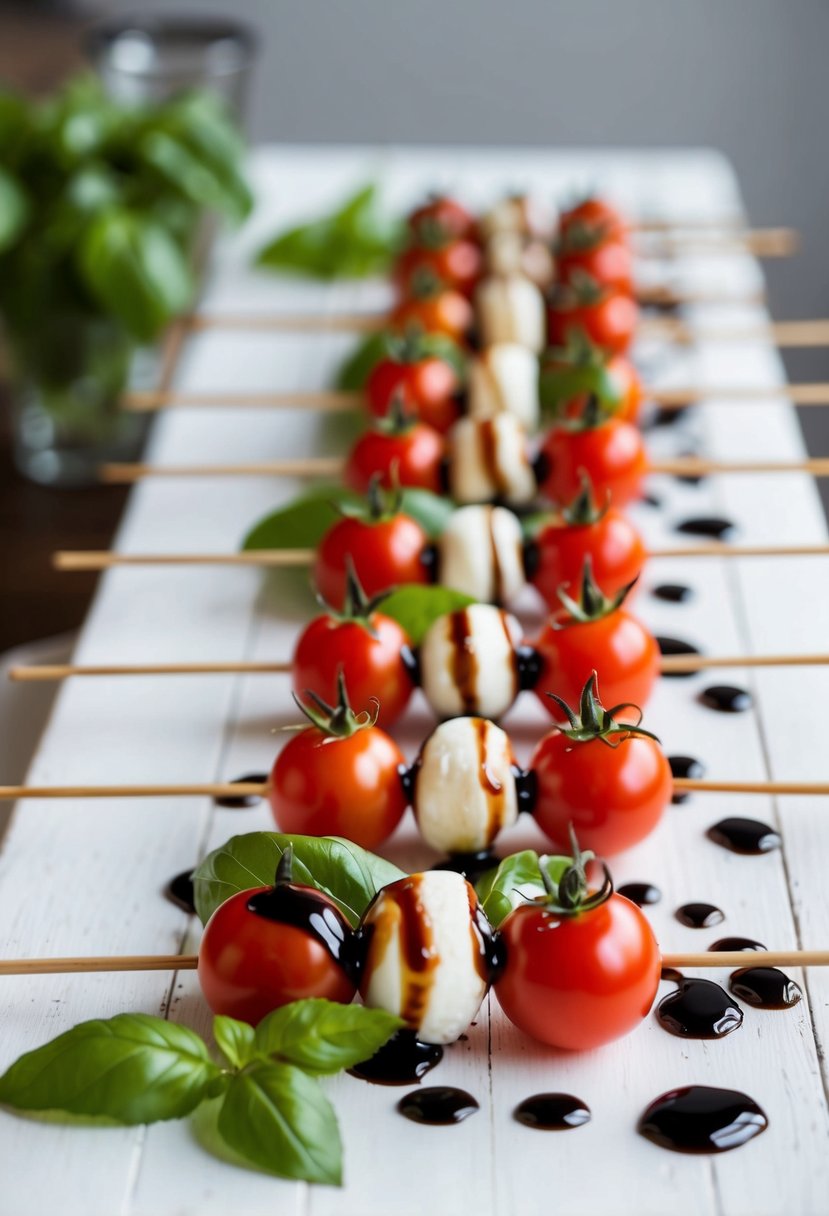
(762, 242)
(729, 959)
(669, 663)
(331, 466)
(780, 333)
(104, 559)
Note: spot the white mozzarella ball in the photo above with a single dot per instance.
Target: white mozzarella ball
(481, 553)
(504, 380)
(468, 662)
(519, 213)
(427, 950)
(508, 253)
(489, 459)
(465, 786)
(510, 308)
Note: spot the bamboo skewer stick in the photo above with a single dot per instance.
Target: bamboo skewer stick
(44, 673)
(780, 333)
(104, 559)
(761, 242)
(331, 466)
(728, 959)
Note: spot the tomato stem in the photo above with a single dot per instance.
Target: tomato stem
(592, 604)
(594, 722)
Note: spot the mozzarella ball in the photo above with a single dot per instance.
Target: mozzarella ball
(481, 552)
(465, 786)
(517, 213)
(504, 380)
(489, 459)
(510, 308)
(428, 954)
(509, 253)
(468, 662)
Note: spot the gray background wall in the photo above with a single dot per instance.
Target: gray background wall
(746, 76)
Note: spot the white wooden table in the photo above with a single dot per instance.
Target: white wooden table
(80, 878)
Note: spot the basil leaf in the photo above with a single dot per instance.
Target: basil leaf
(350, 875)
(234, 1039)
(13, 210)
(358, 366)
(203, 137)
(133, 1068)
(515, 880)
(322, 1036)
(196, 179)
(560, 384)
(135, 270)
(278, 1118)
(416, 608)
(303, 522)
(432, 511)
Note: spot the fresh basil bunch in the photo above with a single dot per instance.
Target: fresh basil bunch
(99, 203)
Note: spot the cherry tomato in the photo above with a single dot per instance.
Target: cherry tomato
(627, 389)
(414, 455)
(610, 539)
(612, 454)
(440, 311)
(593, 214)
(578, 981)
(426, 386)
(611, 796)
(609, 262)
(604, 315)
(617, 646)
(386, 552)
(348, 785)
(261, 950)
(366, 648)
(456, 263)
(442, 215)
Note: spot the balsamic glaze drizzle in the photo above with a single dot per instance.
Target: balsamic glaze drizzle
(673, 593)
(640, 893)
(726, 698)
(699, 915)
(179, 891)
(438, 1105)
(403, 1060)
(685, 766)
(715, 527)
(699, 1009)
(702, 1119)
(747, 836)
(552, 1112)
(243, 801)
(765, 988)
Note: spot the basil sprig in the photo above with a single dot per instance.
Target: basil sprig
(516, 880)
(136, 1068)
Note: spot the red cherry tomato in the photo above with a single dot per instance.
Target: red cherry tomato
(628, 391)
(443, 215)
(250, 963)
(613, 797)
(611, 541)
(386, 553)
(367, 651)
(617, 646)
(609, 262)
(443, 311)
(413, 456)
(456, 263)
(612, 454)
(426, 388)
(327, 785)
(596, 214)
(578, 981)
(609, 320)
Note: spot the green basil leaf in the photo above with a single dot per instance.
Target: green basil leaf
(350, 875)
(205, 143)
(13, 210)
(234, 1039)
(432, 511)
(303, 522)
(515, 880)
(133, 1068)
(135, 270)
(560, 384)
(322, 1036)
(358, 366)
(279, 1119)
(416, 608)
(196, 179)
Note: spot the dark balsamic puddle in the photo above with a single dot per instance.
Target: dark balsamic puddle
(727, 944)
(699, 915)
(765, 988)
(471, 865)
(652, 501)
(401, 1061)
(699, 1009)
(438, 1105)
(726, 698)
(685, 766)
(714, 527)
(640, 893)
(552, 1112)
(243, 801)
(671, 646)
(689, 479)
(702, 1119)
(747, 836)
(673, 593)
(179, 891)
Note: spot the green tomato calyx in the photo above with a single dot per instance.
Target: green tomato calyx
(594, 722)
(592, 604)
(337, 721)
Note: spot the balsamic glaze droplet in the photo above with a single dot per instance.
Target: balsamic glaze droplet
(529, 665)
(552, 1112)
(674, 593)
(652, 500)
(699, 915)
(429, 560)
(304, 908)
(765, 988)
(403, 1060)
(702, 1119)
(438, 1104)
(470, 865)
(685, 766)
(410, 658)
(526, 788)
(243, 801)
(671, 975)
(724, 944)
(748, 836)
(179, 891)
(668, 645)
(690, 479)
(726, 698)
(640, 893)
(699, 1009)
(531, 559)
(714, 526)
